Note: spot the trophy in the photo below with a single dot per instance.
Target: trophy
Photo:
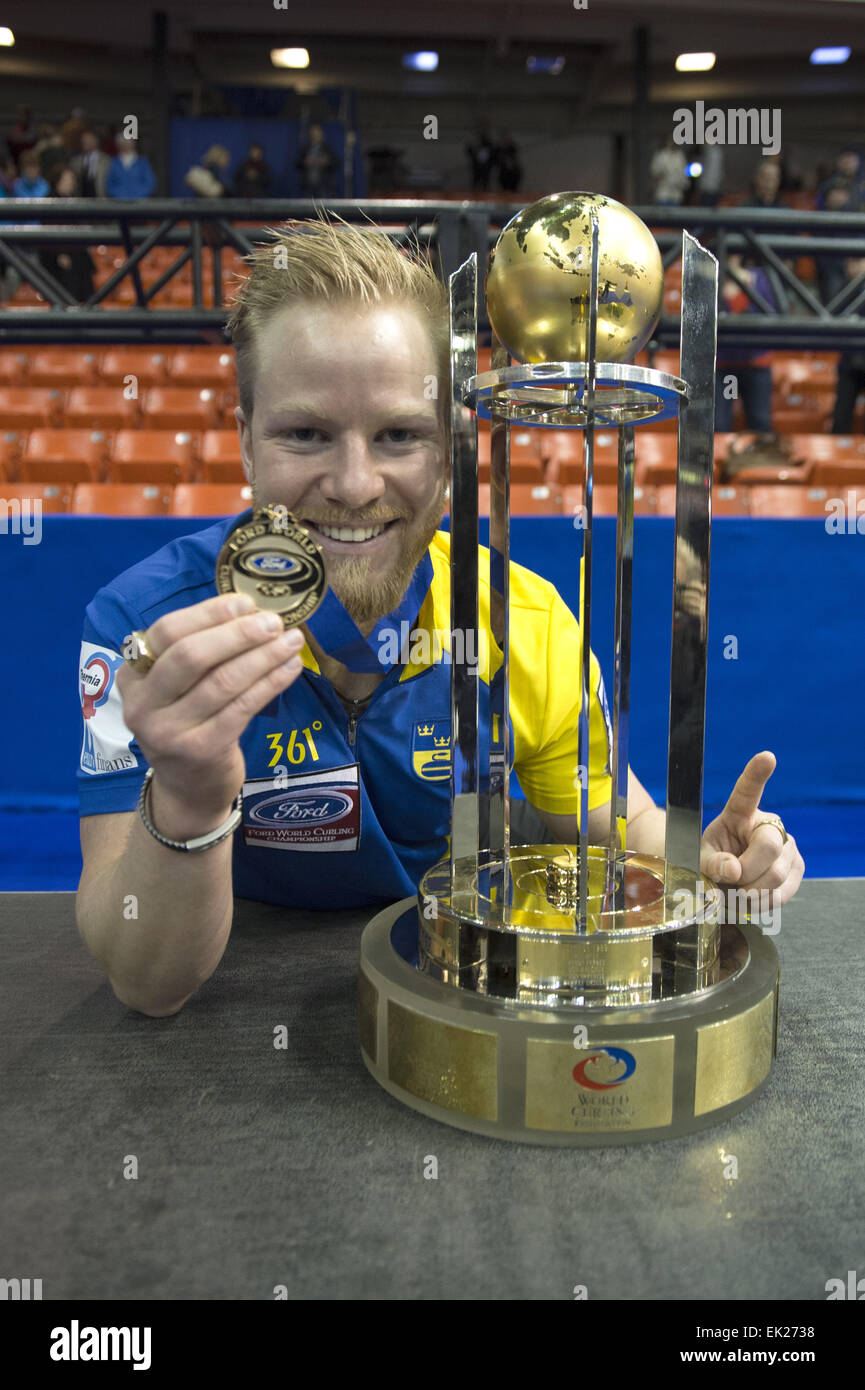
(581, 994)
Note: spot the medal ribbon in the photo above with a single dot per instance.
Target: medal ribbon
(338, 634)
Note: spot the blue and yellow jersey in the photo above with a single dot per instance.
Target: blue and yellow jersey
(349, 812)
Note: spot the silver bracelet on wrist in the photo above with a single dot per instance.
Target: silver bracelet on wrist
(200, 842)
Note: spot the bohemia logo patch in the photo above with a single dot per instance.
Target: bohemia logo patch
(603, 1069)
(431, 751)
(106, 744)
(319, 811)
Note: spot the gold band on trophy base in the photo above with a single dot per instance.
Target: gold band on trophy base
(567, 1074)
(274, 559)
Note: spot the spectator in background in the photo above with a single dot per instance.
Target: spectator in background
(667, 171)
(851, 371)
(23, 135)
(50, 151)
(482, 156)
(30, 183)
(710, 184)
(129, 174)
(848, 166)
(253, 179)
(508, 162)
(91, 166)
(766, 186)
(744, 373)
(73, 268)
(317, 165)
(209, 179)
(831, 274)
(7, 174)
(71, 130)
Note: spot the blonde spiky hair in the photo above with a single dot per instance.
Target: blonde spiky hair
(328, 258)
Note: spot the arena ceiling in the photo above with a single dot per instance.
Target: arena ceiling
(356, 42)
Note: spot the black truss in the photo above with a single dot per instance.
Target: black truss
(450, 230)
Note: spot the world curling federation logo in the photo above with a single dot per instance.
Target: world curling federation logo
(606, 1065)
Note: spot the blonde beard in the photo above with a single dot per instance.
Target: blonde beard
(365, 601)
(350, 580)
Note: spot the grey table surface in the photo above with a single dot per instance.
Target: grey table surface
(261, 1166)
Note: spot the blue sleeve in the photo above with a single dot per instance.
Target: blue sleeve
(146, 178)
(112, 766)
(111, 180)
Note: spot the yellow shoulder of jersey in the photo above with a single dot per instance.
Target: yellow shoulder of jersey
(545, 665)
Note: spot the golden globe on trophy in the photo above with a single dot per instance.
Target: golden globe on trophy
(577, 994)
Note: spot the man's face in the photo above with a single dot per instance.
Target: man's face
(848, 164)
(768, 180)
(344, 436)
(88, 141)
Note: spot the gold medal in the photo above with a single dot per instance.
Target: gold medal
(274, 559)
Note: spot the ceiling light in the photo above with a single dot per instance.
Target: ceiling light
(830, 55)
(421, 62)
(695, 62)
(550, 65)
(289, 57)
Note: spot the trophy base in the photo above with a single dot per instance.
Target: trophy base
(570, 1074)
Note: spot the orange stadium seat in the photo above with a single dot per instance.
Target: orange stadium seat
(665, 499)
(101, 407)
(26, 407)
(179, 408)
(53, 456)
(220, 457)
(11, 444)
(726, 500)
(62, 366)
(841, 473)
(525, 447)
(201, 366)
(566, 446)
(55, 497)
(654, 447)
(604, 471)
(666, 360)
(645, 501)
(827, 448)
(795, 474)
(520, 470)
(147, 365)
(604, 500)
(798, 412)
(14, 367)
(211, 499)
(227, 407)
(657, 474)
(811, 372)
(526, 500)
(787, 500)
(121, 499)
(152, 456)
(730, 501)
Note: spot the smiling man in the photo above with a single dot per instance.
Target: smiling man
(236, 759)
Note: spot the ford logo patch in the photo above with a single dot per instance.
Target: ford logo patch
(302, 808)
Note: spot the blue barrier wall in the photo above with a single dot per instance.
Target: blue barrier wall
(790, 593)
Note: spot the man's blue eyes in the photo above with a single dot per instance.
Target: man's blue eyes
(306, 435)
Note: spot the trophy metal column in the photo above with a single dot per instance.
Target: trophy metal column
(573, 994)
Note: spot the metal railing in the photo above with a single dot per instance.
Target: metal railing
(201, 230)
